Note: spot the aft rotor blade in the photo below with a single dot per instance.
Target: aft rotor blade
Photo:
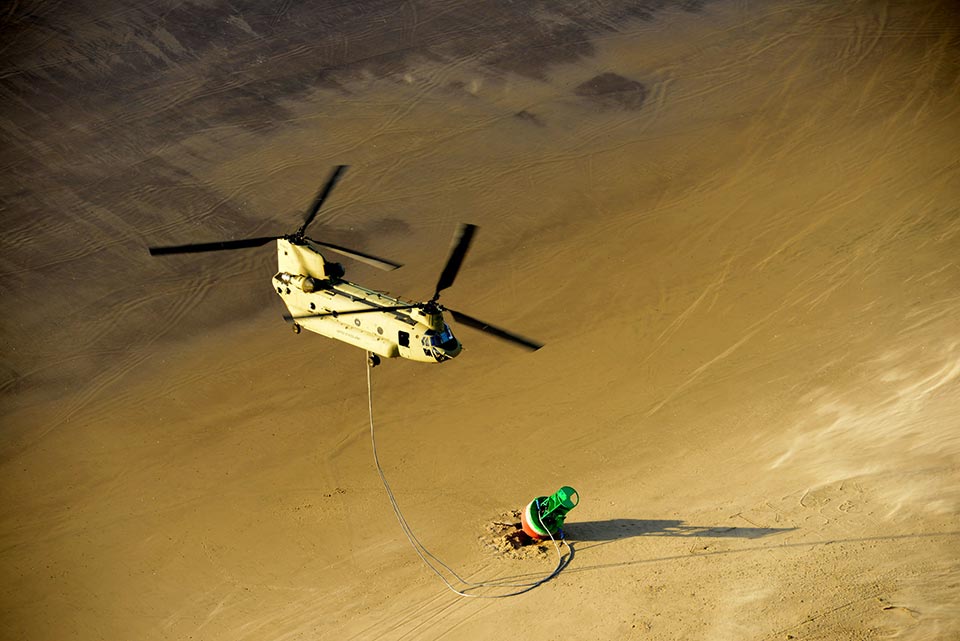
(476, 323)
(193, 248)
(461, 243)
(321, 196)
(351, 312)
(369, 259)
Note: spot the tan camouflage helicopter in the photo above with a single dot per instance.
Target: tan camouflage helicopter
(321, 301)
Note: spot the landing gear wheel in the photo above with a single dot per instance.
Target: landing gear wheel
(373, 360)
(296, 328)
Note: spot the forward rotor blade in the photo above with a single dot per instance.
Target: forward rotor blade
(193, 248)
(475, 323)
(321, 196)
(351, 312)
(369, 259)
(461, 243)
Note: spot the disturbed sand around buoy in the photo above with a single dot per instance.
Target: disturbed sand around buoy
(734, 225)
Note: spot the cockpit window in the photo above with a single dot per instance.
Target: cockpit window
(444, 339)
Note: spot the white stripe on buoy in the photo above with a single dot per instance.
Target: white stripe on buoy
(530, 521)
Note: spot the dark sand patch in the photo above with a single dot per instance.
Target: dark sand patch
(526, 116)
(613, 90)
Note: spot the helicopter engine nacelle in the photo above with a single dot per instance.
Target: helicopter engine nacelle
(299, 281)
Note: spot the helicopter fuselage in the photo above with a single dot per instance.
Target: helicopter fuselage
(310, 285)
(320, 300)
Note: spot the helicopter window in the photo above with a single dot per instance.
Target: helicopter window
(403, 339)
(443, 339)
(312, 307)
(380, 331)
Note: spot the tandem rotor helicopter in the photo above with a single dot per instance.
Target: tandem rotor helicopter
(320, 300)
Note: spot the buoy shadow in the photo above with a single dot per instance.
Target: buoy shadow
(615, 529)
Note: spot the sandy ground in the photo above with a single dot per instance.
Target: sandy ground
(734, 224)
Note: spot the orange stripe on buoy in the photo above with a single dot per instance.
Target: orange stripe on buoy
(529, 520)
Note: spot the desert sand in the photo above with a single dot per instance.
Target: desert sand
(734, 225)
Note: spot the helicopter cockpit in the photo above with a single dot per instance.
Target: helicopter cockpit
(443, 344)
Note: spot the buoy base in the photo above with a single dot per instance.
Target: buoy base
(530, 522)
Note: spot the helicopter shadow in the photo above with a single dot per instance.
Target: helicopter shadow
(617, 529)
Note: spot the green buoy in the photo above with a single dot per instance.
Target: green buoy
(543, 517)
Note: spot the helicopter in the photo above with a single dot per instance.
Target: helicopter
(319, 300)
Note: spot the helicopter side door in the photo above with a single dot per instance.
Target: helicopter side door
(403, 341)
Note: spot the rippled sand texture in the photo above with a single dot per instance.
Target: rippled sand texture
(734, 224)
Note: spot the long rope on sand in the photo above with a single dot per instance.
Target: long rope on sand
(433, 562)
